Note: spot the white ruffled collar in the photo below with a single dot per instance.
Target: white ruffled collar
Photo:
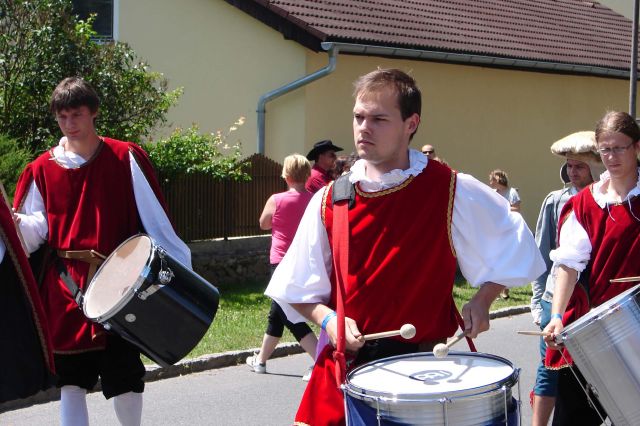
(602, 199)
(67, 159)
(417, 163)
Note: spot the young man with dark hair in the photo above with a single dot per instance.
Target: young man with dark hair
(411, 219)
(85, 196)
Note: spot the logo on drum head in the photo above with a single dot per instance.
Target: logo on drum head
(431, 377)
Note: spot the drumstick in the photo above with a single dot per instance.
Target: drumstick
(533, 333)
(625, 280)
(407, 331)
(441, 350)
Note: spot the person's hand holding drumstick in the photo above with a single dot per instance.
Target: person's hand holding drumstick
(476, 312)
(326, 318)
(566, 279)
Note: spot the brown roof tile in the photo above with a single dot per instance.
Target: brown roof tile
(564, 31)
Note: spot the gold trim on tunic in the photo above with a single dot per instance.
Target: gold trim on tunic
(452, 193)
(385, 191)
(323, 208)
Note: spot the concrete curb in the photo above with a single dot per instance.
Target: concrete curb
(208, 362)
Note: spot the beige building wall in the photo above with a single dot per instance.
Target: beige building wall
(225, 60)
(623, 7)
(478, 118)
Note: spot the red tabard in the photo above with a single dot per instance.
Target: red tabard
(90, 207)
(614, 235)
(401, 270)
(24, 278)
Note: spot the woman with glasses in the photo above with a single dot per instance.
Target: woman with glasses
(599, 240)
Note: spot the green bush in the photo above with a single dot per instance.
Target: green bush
(13, 159)
(41, 43)
(189, 151)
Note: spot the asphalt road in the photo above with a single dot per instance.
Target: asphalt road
(237, 396)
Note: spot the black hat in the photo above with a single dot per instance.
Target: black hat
(320, 147)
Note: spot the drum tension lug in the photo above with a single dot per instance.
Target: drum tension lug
(165, 275)
(593, 390)
(149, 291)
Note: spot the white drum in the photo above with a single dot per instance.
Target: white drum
(462, 389)
(605, 346)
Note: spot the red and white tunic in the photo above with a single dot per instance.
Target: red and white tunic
(93, 206)
(603, 238)
(406, 231)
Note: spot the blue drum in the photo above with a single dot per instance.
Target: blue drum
(462, 389)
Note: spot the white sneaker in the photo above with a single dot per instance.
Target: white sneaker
(307, 375)
(252, 362)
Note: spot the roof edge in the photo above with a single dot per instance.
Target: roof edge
(282, 21)
(475, 59)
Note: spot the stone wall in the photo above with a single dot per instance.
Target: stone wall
(235, 260)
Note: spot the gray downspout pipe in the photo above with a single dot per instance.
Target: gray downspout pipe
(633, 71)
(269, 96)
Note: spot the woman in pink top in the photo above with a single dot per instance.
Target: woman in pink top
(282, 214)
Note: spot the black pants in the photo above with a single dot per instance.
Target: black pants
(572, 406)
(277, 320)
(118, 366)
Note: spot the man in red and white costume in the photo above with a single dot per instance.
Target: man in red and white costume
(412, 219)
(26, 357)
(89, 193)
(599, 240)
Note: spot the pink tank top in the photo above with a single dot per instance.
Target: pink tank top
(290, 207)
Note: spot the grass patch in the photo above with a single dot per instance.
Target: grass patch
(242, 316)
(518, 296)
(240, 322)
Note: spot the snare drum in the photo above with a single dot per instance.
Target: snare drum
(462, 389)
(150, 299)
(605, 346)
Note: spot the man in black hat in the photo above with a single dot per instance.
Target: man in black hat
(324, 156)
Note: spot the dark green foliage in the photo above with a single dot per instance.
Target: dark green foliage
(188, 151)
(42, 42)
(13, 158)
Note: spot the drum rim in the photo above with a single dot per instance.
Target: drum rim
(126, 298)
(600, 312)
(363, 393)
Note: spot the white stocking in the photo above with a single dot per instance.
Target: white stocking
(128, 408)
(73, 406)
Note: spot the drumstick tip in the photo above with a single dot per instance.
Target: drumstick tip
(408, 331)
(440, 350)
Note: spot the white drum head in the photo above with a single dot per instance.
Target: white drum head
(422, 376)
(117, 277)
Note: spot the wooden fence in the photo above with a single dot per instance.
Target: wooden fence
(203, 208)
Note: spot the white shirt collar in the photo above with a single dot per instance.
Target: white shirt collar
(67, 159)
(417, 163)
(602, 198)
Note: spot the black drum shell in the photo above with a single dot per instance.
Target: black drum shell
(171, 321)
